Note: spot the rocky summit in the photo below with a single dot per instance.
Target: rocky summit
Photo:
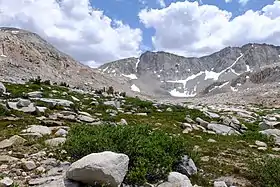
(231, 70)
(63, 124)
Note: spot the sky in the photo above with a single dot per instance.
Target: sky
(98, 31)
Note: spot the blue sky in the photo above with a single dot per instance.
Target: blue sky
(127, 11)
(99, 31)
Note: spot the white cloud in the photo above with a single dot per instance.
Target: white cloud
(228, 1)
(74, 27)
(188, 29)
(161, 3)
(243, 2)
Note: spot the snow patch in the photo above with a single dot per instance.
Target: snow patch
(221, 86)
(15, 32)
(105, 69)
(233, 89)
(184, 82)
(113, 71)
(137, 63)
(211, 75)
(175, 93)
(3, 56)
(158, 76)
(134, 88)
(131, 76)
(247, 68)
(247, 77)
(233, 71)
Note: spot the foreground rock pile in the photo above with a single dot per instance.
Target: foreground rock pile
(38, 123)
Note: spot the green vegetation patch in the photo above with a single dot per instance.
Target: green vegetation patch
(265, 172)
(152, 153)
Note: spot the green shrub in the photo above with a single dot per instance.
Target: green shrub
(36, 81)
(265, 172)
(4, 111)
(47, 82)
(110, 90)
(152, 153)
(64, 84)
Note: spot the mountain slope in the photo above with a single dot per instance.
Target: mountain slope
(25, 55)
(165, 74)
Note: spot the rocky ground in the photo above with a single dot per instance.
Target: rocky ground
(42, 125)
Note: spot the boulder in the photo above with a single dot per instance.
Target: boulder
(54, 102)
(23, 103)
(260, 144)
(221, 129)
(102, 168)
(6, 181)
(186, 166)
(14, 140)
(116, 104)
(176, 180)
(201, 122)
(39, 129)
(28, 165)
(61, 132)
(86, 119)
(21, 106)
(211, 114)
(269, 124)
(36, 94)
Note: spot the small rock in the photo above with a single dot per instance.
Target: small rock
(262, 148)
(123, 122)
(86, 119)
(61, 132)
(55, 141)
(220, 184)
(75, 99)
(6, 181)
(211, 140)
(23, 103)
(211, 114)
(29, 165)
(261, 144)
(188, 119)
(186, 125)
(275, 149)
(202, 122)
(205, 158)
(141, 114)
(40, 169)
(169, 110)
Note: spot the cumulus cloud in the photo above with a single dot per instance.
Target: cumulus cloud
(74, 27)
(188, 29)
(161, 3)
(243, 2)
(228, 1)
